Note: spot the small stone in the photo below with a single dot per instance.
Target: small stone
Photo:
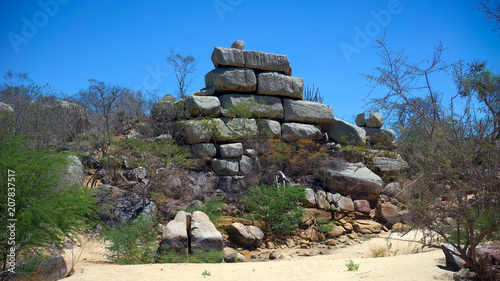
(272, 256)
(238, 44)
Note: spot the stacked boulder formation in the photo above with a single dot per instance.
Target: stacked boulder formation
(247, 94)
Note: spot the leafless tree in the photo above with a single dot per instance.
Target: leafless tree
(183, 67)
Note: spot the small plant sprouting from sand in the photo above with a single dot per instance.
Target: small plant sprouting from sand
(379, 252)
(206, 273)
(351, 266)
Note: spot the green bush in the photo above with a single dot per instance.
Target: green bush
(171, 256)
(212, 208)
(44, 215)
(276, 206)
(325, 225)
(134, 243)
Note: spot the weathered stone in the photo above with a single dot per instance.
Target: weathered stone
(321, 200)
(120, 206)
(271, 129)
(166, 108)
(72, 174)
(360, 120)
(362, 206)
(202, 106)
(453, 262)
(175, 233)
(6, 108)
(392, 190)
(348, 227)
(231, 150)
(367, 226)
(351, 179)
(389, 167)
(226, 167)
(134, 136)
(245, 236)
(400, 227)
(140, 173)
(345, 204)
(319, 214)
(250, 59)
(387, 212)
(196, 131)
(376, 135)
(231, 79)
(310, 198)
(307, 112)
(374, 120)
(245, 164)
(330, 197)
(204, 150)
(346, 133)
(164, 137)
(204, 236)
(276, 84)
(238, 44)
(234, 129)
(238, 105)
(229, 254)
(298, 131)
(336, 231)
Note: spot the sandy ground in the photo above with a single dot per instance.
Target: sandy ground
(405, 260)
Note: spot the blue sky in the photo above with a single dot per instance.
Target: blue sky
(66, 42)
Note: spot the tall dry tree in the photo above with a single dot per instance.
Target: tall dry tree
(183, 67)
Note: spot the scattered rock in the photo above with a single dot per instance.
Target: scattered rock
(245, 236)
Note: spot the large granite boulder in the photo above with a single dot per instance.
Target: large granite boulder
(175, 233)
(202, 106)
(387, 212)
(298, 131)
(345, 204)
(236, 105)
(120, 206)
(231, 79)
(246, 164)
(204, 236)
(385, 136)
(167, 109)
(228, 57)
(346, 133)
(310, 198)
(374, 120)
(336, 231)
(276, 84)
(245, 236)
(360, 120)
(234, 129)
(389, 167)
(270, 129)
(307, 112)
(354, 180)
(362, 206)
(226, 166)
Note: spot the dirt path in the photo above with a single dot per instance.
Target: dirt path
(397, 266)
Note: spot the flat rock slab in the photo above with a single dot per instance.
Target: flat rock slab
(307, 112)
(231, 150)
(277, 84)
(238, 105)
(250, 59)
(231, 80)
(298, 131)
(367, 226)
(234, 129)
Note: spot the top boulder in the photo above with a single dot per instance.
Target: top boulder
(232, 57)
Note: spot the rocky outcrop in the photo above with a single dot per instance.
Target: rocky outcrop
(245, 236)
(73, 173)
(120, 206)
(6, 108)
(175, 233)
(354, 180)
